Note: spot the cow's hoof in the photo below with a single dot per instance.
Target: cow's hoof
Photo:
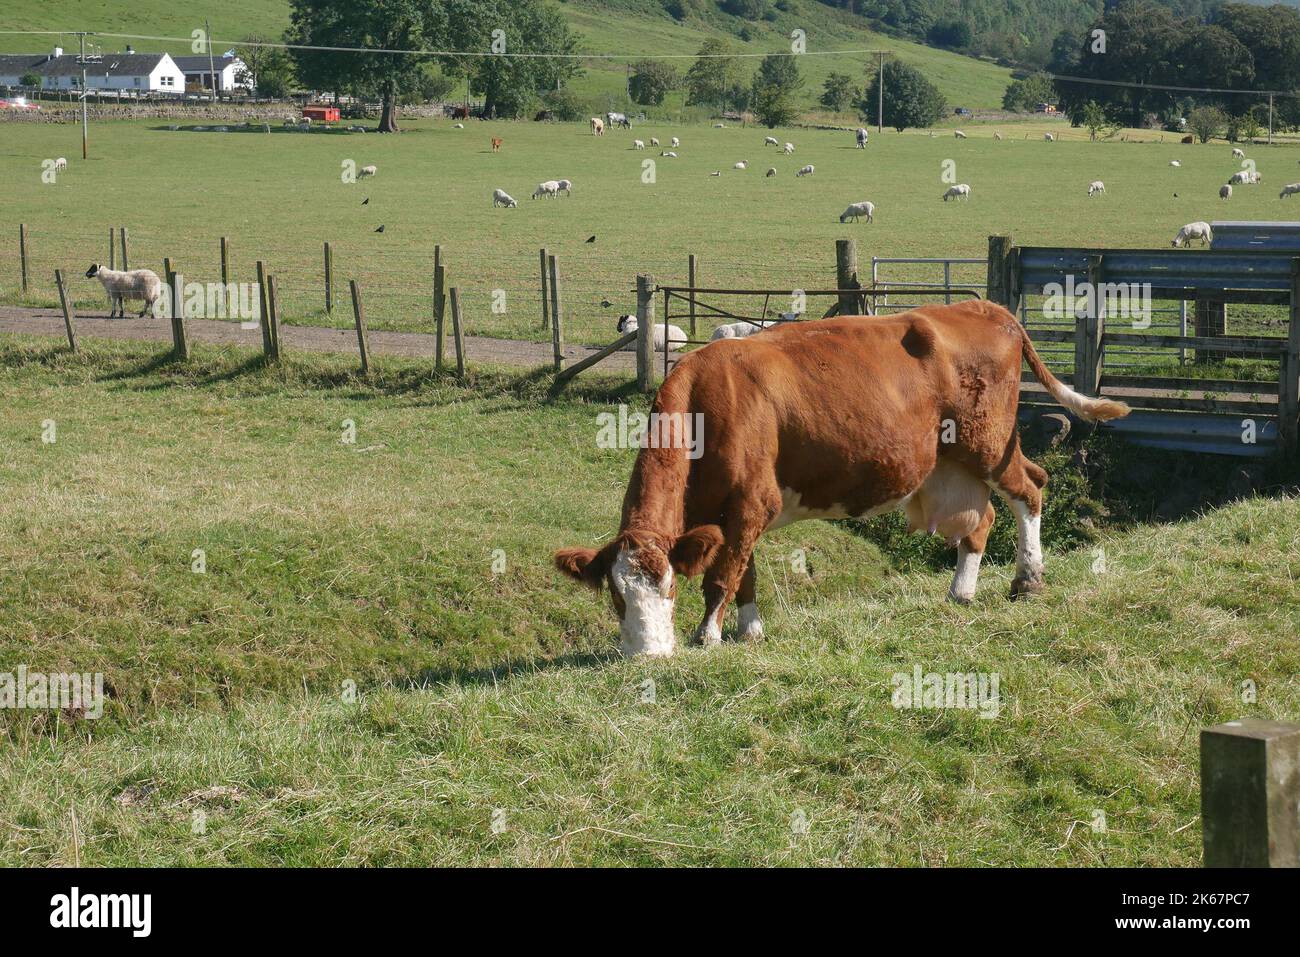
(707, 636)
(957, 599)
(1025, 587)
(751, 632)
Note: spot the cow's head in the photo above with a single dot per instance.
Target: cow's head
(639, 569)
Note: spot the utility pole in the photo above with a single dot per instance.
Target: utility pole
(1270, 119)
(212, 70)
(84, 122)
(880, 94)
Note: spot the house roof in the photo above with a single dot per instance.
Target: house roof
(113, 64)
(19, 63)
(200, 64)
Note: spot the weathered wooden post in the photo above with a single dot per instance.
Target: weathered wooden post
(125, 260)
(439, 306)
(67, 312)
(180, 343)
(1288, 392)
(329, 279)
(1250, 794)
(359, 314)
(1088, 332)
(22, 252)
(264, 305)
(645, 318)
(557, 316)
(456, 335)
(997, 276)
(691, 272)
(846, 276)
(112, 249)
(273, 324)
(546, 293)
(225, 279)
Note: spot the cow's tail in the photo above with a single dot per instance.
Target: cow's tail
(1085, 407)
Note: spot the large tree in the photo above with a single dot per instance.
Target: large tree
(775, 84)
(651, 81)
(375, 25)
(713, 77)
(910, 99)
(268, 69)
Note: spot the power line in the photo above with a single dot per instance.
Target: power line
(1159, 86)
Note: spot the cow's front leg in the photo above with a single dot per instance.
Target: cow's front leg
(724, 577)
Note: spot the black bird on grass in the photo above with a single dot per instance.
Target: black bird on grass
(366, 201)
(380, 229)
(591, 239)
(605, 304)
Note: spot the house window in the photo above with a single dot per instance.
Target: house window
(168, 81)
(137, 81)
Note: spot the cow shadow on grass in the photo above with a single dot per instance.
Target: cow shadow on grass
(494, 674)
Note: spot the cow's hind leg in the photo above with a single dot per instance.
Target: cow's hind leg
(970, 552)
(749, 624)
(745, 522)
(1021, 484)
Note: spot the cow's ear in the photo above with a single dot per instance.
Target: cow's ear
(693, 552)
(583, 564)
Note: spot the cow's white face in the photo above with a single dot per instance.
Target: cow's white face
(644, 601)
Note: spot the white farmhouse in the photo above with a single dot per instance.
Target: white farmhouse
(230, 70)
(129, 71)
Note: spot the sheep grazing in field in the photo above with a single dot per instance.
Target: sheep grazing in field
(564, 186)
(771, 141)
(549, 188)
(367, 171)
(1175, 163)
(1095, 187)
(806, 171)
(1192, 231)
(597, 126)
(1254, 177)
(654, 141)
(619, 120)
(1238, 178)
(458, 126)
(997, 135)
(668, 153)
(787, 149)
(719, 126)
(857, 210)
(676, 337)
(741, 165)
(1225, 192)
(501, 198)
(1290, 189)
(741, 330)
(1238, 153)
(960, 191)
(1049, 138)
(61, 163)
(959, 134)
(860, 137)
(638, 144)
(771, 171)
(675, 142)
(120, 286)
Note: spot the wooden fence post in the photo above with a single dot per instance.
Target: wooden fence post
(439, 306)
(1288, 392)
(264, 304)
(329, 280)
(557, 315)
(125, 261)
(180, 344)
(67, 312)
(273, 325)
(645, 317)
(1088, 332)
(359, 314)
(112, 249)
(846, 276)
(22, 251)
(458, 340)
(691, 272)
(1250, 794)
(225, 278)
(546, 293)
(995, 289)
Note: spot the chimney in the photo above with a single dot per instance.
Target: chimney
(58, 51)
(129, 49)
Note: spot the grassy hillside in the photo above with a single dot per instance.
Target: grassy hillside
(632, 27)
(332, 566)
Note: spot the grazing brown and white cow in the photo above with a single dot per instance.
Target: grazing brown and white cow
(837, 418)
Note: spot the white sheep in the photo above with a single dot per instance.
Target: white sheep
(741, 165)
(1175, 163)
(740, 330)
(771, 171)
(458, 126)
(719, 126)
(120, 286)
(787, 149)
(960, 191)
(668, 153)
(1238, 178)
(61, 163)
(770, 141)
(548, 188)
(959, 134)
(654, 141)
(1048, 137)
(1289, 190)
(676, 337)
(860, 137)
(997, 135)
(501, 198)
(1254, 177)
(1238, 153)
(638, 144)
(674, 142)
(806, 171)
(1095, 187)
(564, 186)
(855, 210)
(1225, 192)
(368, 171)
(1192, 231)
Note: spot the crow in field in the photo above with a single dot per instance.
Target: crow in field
(605, 304)
(590, 239)
(366, 201)
(380, 229)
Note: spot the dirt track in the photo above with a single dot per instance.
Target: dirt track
(478, 349)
